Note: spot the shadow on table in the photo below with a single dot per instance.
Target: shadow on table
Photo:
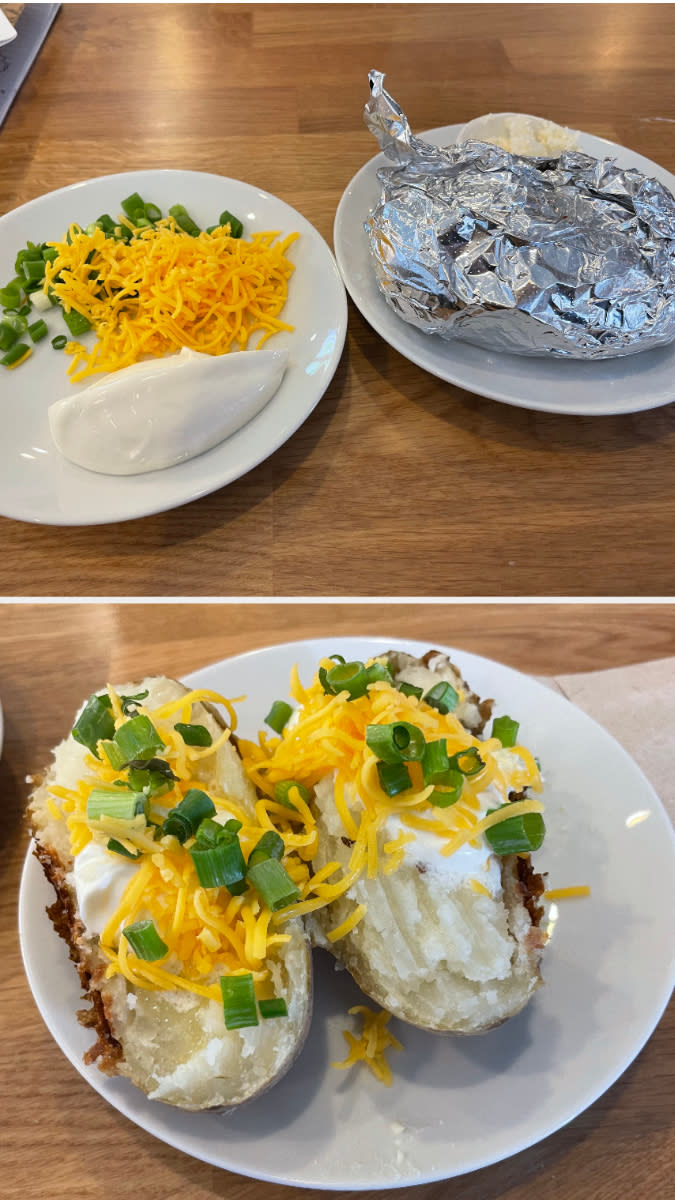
(513, 426)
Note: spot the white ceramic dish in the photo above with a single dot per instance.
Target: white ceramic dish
(617, 385)
(36, 483)
(608, 973)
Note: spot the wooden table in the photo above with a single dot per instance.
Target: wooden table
(397, 484)
(61, 1139)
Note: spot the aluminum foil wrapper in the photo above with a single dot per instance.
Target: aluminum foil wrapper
(570, 256)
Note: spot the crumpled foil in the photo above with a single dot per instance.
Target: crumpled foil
(570, 256)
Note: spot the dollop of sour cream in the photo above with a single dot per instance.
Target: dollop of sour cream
(100, 879)
(155, 414)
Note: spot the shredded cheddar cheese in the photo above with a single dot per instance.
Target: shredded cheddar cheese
(567, 893)
(370, 1047)
(164, 289)
(328, 738)
(208, 932)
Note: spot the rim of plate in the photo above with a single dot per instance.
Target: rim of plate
(164, 1123)
(154, 492)
(426, 353)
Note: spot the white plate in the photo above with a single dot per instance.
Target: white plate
(36, 483)
(608, 973)
(617, 385)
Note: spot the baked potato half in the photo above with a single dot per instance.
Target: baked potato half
(160, 1019)
(423, 886)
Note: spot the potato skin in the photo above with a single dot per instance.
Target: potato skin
(108, 1015)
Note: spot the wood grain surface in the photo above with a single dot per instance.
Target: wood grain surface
(61, 1140)
(397, 484)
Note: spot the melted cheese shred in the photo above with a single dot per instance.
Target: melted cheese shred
(328, 738)
(208, 932)
(371, 1045)
(164, 289)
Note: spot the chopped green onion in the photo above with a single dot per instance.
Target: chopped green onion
(442, 697)
(275, 1007)
(106, 223)
(24, 310)
(221, 865)
(133, 206)
(183, 219)
(34, 271)
(138, 738)
(516, 835)
(184, 820)
(59, 341)
(273, 884)
(114, 802)
(278, 715)
(17, 323)
(18, 351)
(38, 330)
(209, 833)
(145, 941)
(409, 689)
(447, 790)
(151, 781)
(95, 723)
(118, 848)
(8, 336)
(76, 323)
(345, 677)
(394, 778)
(395, 743)
(194, 735)
(468, 761)
(236, 227)
(270, 845)
(238, 1001)
(377, 672)
(152, 212)
(435, 762)
(129, 703)
(506, 729)
(282, 789)
(50, 254)
(10, 296)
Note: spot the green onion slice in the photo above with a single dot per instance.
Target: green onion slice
(133, 206)
(278, 715)
(38, 330)
(468, 761)
(114, 802)
(394, 778)
(447, 790)
(238, 1001)
(184, 820)
(183, 219)
(273, 884)
(270, 845)
(275, 1007)
(8, 336)
(194, 735)
(409, 689)
(506, 729)
(137, 738)
(59, 341)
(221, 865)
(117, 848)
(76, 322)
(443, 697)
(14, 355)
(435, 761)
(236, 227)
(95, 723)
(284, 787)
(395, 743)
(516, 835)
(145, 941)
